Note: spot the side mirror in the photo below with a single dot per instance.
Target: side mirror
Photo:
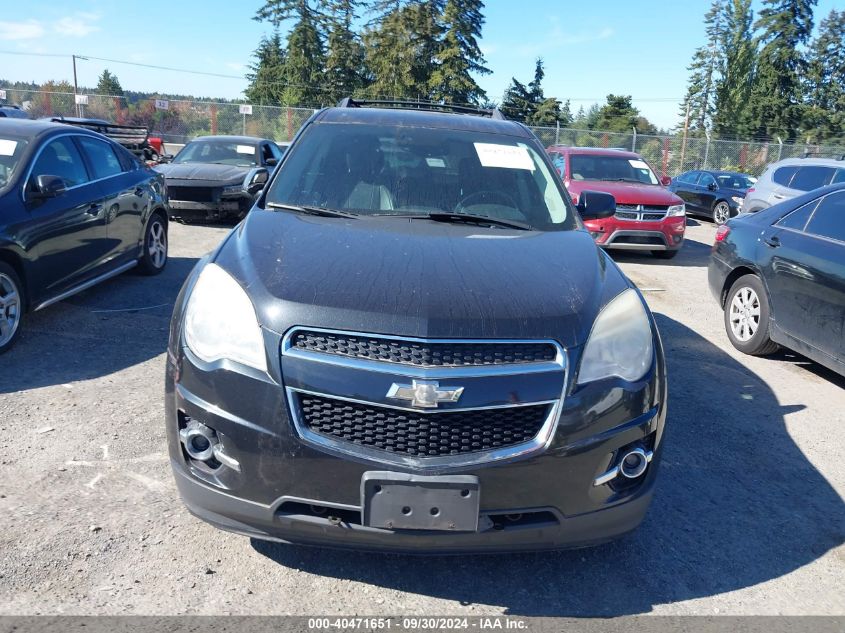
(257, 181)
(166, 158)
(665, 181)
(712, 186)
(596, 205)
(47, 186)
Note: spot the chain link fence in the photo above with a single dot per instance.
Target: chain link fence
(177, 121)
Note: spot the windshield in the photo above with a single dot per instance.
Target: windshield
(11, 150)
(601, 167)
(414, 171)
(221, 152)
(735, 181)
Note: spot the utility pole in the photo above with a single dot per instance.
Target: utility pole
(684, 142)
(75, 88)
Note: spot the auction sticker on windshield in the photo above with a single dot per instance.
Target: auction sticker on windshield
(245, 149)
(7, 147)
(638, 164)
(504, 156)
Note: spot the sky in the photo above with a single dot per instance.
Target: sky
(590, 49)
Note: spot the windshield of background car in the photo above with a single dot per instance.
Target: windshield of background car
(601, 167)
(734, 181)
(219, 152)
(11, 150)
(392, 170)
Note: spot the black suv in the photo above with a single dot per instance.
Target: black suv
(75, 208)
(411, 343)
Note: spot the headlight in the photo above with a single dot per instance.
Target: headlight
(676, 210)
(620, 342)
(220, 321)
(737, 200)
(233, 189)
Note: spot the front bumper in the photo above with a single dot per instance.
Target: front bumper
(289, 491)
(224, 207)
(666, 235)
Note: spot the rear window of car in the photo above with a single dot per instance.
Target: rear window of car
(103, 159)
(829, 218)
(783, 175)
(811, 177)
(797, 220)
(689, 178)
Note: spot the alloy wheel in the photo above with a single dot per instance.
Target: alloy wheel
(157, 244)
(10, 309)
(745, 314)
(721, 213)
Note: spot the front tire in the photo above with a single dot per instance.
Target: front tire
(12, 302)
(721, 213)
(154, 255)
(747, 317)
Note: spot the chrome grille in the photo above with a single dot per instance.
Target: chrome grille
(422, 353)
(641, 213)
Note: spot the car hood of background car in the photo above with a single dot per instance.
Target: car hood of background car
(626, 192)
(209, 172)
(420, 278)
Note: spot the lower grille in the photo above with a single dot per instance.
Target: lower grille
(193, 194)
(422, 435)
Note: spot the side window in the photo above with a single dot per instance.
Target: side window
(686, 178)
(783, 175)
(798, 219)
(559, 161)
(829, 218)
(706, 180)
(277, 153)
(266, 153)
(60, 158)
(103, 159)
(838, 177)
(811, 177)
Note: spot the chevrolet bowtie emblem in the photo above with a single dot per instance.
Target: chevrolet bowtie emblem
(426, 394)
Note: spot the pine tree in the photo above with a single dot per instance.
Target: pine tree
(516, 102)
(738, 50)
(305, 58)
(267, 75)
(776, 98)
(109, 85)
(824, 115)
(459, 56)
(619, 115)
(522, 102)
(345, 60)
(704, 68)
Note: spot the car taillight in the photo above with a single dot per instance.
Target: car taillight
(722, 233)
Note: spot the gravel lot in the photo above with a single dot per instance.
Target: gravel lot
(749, 517)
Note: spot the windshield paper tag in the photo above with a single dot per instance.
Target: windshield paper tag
(638, 164)
(245, 149)
(504, 156)
(7, 147)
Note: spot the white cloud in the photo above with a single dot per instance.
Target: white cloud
(28, 30)
(78, 25)
(235, 66)
(558, 38)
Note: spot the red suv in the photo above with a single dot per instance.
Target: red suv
(648, 216)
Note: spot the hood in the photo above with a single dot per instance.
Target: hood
(626, 192)
(209, 172)
(420, 278)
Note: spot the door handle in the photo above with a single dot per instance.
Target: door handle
(778, 196)
(773, 241)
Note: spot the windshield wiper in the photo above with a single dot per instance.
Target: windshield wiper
(469, 218)
(310, 210)
(639, 182)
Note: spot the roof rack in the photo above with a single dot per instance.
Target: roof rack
(429, 106)
(833, 155)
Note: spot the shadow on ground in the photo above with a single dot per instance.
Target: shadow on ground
(116, 324)
(693, 253)
(737, 504)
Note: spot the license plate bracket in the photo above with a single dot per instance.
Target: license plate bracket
(402, 501)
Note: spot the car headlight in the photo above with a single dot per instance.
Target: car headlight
(233, 189)
(676, 210)
(620, 342)
(220, 321)
(737, 200)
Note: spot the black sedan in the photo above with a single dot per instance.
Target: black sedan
(75, 209)
(716, 195)
(780, 276)
(216, 177)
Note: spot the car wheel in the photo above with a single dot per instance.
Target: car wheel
(11, 306)
(747, 317)
(665, 254)
(721, 213)
(154, 256)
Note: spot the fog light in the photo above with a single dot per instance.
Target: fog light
(632, 464)
(202, 444)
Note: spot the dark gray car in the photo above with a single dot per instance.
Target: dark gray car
(411, 343)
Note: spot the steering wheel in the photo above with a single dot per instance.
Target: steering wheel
(489, 196)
